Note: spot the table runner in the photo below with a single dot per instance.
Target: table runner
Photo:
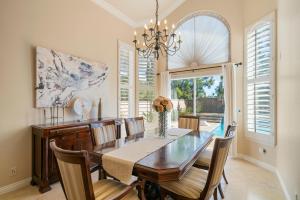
(119, 163)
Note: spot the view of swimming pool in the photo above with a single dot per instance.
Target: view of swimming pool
(219, 131)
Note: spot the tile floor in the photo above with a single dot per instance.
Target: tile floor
(246, 182)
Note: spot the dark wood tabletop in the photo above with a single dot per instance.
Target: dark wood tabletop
(168, 163)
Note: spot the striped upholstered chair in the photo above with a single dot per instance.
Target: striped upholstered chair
(204, 159)
(198, 183)
(103, 132)
(134, 126)
(189, 122)
(76, 182)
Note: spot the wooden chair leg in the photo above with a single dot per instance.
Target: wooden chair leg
(225, 177)
(220, 190)
(100, 174)
(215, 194)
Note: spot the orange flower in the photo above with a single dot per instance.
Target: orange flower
(160, 108)
(156, 102)
(169, 106)
(164, 102)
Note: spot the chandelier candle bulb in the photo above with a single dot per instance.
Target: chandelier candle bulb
(165, 22)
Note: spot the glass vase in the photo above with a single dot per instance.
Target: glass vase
(162, 124)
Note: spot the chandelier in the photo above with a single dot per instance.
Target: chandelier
(157, 40)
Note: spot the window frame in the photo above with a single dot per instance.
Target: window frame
(258, 137)
(131, 78)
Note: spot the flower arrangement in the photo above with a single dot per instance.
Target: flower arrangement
(162, 104)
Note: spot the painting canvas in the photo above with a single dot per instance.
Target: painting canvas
(59, 76)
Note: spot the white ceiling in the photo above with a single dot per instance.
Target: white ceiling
(138, 12)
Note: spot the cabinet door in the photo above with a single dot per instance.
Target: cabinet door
(65, 138)
(84, 141)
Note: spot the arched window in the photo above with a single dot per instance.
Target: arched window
(206, 41)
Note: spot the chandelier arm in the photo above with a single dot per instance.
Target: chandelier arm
(169, 50)
(150, 47)
(170, 45)
(162, 38)
(149, 40)
(146, 43)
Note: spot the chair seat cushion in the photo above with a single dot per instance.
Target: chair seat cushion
(107, 189)
(204, 158)
(190, 186)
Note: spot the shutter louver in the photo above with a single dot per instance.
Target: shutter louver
(147, 86)
(259, 88)
(124, 87)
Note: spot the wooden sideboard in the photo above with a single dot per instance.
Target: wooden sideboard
(68, 135)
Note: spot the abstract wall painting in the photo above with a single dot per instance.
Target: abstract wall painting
(59, 76)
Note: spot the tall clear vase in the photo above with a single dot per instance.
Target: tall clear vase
(163, 124)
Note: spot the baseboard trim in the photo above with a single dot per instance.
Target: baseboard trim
(283, 186)
(15, 186)
(257, 162)
(269, 168)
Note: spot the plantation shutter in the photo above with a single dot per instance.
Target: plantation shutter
(126, 81)
(259, 88)
(147, 86)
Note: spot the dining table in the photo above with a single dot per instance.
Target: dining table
(166, 163)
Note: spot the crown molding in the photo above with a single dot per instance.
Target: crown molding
(116, 12)
(120, 15)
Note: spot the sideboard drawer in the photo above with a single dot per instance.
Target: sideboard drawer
(66, 131)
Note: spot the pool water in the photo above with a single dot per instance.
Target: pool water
(219, 131)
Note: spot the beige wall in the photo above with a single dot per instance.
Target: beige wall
(78, 27)
(254, 10)
(288, 96)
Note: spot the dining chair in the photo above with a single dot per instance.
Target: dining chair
(134, 126)
(205, 157)
(189, 122)
(103, 132)
(198, 183)
(75, 178)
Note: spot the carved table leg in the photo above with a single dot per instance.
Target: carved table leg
(141, 189)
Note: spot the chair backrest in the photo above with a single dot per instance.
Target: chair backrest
(230, 130)
(189, 122)
(134, 125)
(103, 132)
(74, 173)
(219, 156)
